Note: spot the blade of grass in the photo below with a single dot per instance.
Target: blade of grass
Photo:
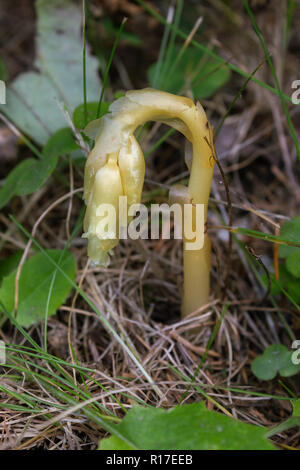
(288, 296)
(227, 389)
(84, 59)
(80, 372)
(237, 96)
(209, 345)
(273, 71)
(262, 236)
(170, 48)
(183, 49)
(53, 379)
(73, 234)
(163, 46)
(199, 46)
(58, 363)
(287, 389)
(24, 333)
(196, 387)
(92, 416)
(259, 278)
(91, 304)
(109, 64)
(164, 137)
(288, 22)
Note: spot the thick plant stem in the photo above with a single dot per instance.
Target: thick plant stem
(196, 263)
(196, 268)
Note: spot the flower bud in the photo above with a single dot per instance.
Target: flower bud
(132, 169)
(101, 218)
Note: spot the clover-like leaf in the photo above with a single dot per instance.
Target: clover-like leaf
(275, 359)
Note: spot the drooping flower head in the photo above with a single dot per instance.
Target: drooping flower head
(116, 167)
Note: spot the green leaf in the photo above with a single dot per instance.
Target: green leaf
(7, 265)
(60, 143)
(187, 427)
(293, 263)
(35, 175)
(8, 190)
(293, 288)
(290, 283)
(114, 443)
(92, 107)
(212, 77)
(31, 98)
(276, 358)
(203, 75)
(42, 288)
(286, 281)
(290, 231)
(26, 178)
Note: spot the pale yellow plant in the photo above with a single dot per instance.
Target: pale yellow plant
(116, 166)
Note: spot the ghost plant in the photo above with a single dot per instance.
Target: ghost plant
(116, 167)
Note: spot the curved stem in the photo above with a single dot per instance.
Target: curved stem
(115, 132)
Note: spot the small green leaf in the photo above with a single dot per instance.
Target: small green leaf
(60, 143)
(212, 77)
(35, 175)
(187, 427)
(42, 288)
(291, 232)
(293, 263)
(276, 358)
(92, 107)
(264, 368)
(290, 283)
(287, 368)
(8, 190)
(26, 178)
(293, 288)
